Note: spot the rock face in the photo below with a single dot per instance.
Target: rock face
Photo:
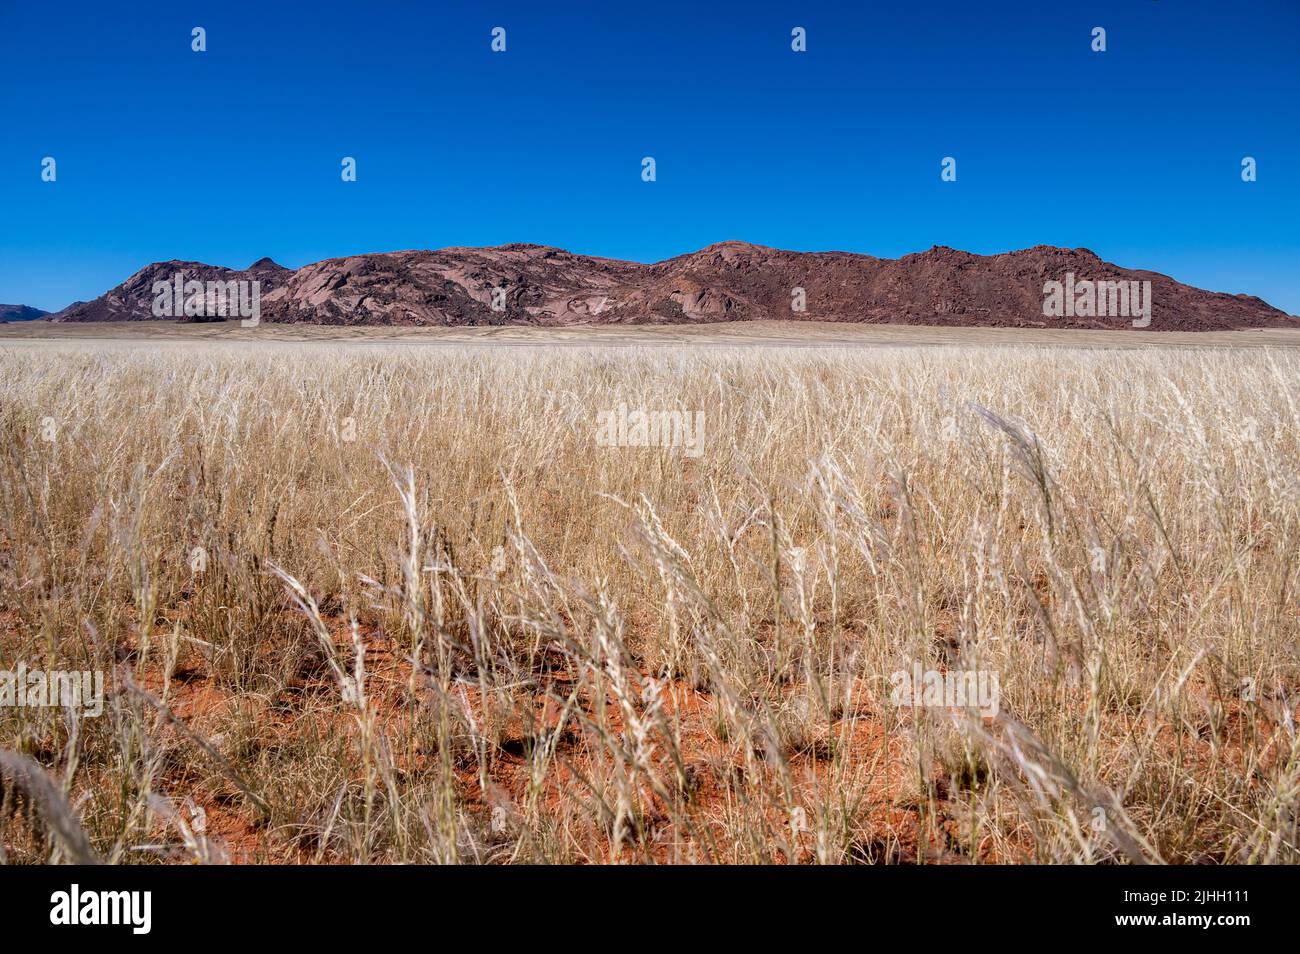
(133, 299)
(20, 313)
(454, 286)
(730, 281)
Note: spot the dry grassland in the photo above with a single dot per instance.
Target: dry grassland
(397, 604)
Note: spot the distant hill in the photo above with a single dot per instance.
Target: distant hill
(20, 313)
(729, 281)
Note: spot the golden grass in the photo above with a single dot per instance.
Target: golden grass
(455, 628)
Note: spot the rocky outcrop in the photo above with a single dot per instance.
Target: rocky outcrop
(730, 281)
(133, 299)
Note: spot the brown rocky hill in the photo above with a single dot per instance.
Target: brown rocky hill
(454, 286)
(133, 299)
(730, 281)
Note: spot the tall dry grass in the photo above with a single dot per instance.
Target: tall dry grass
(455, 629)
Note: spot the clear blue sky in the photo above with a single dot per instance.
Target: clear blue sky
(232, 154)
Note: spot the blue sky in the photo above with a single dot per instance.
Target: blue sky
(232, 154)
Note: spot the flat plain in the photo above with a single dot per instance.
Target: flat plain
(772, 333)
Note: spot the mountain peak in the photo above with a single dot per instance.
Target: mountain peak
(735, 245)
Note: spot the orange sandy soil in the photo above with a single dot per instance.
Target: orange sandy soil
(895, 826)
(889, 832)
(890, 828)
